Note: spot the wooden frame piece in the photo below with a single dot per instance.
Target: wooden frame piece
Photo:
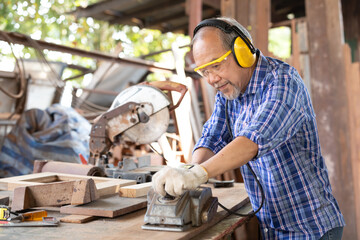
(105, 186)
(54, 194)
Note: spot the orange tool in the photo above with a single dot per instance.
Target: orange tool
(34, 216)
(30, 216)
(82, 159)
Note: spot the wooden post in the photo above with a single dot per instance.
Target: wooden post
(329, 97)
(353, 89)
(254, 16)
(194, 10)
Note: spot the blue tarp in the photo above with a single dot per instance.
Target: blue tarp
(58, 133)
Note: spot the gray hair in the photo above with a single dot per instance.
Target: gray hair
(228, 38)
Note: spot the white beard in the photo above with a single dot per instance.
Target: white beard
(235, 93)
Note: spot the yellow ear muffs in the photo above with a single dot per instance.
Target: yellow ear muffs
(242, 53)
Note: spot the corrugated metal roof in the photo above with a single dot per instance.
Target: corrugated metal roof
(170, 15)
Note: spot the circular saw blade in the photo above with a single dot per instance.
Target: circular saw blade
(151, 131)
(158, 123)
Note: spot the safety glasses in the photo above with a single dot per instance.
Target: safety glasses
(215, 65)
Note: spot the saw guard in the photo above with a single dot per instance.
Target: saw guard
(154, 104)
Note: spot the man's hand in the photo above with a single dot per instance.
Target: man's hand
(175, 181)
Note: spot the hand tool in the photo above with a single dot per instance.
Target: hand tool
(46, 222)
(29, 216)
(192, 209)
(4, 213)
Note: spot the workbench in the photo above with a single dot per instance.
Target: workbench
(128, 226)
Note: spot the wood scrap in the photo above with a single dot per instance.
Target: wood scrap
(77, 219)
(54, 194)
(133, 191)
(107, 207)
(84, 191)
(105, 186)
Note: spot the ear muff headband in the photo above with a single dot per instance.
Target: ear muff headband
(243, 50)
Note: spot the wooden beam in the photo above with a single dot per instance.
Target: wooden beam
(329, 96)
(254, 16)
(194, 11)
(28, 41)
(260, 25)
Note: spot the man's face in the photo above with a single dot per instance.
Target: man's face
(224, 75)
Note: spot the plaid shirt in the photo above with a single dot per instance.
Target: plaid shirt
(276, 113)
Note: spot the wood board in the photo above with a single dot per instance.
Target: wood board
(107, 207)
(77, 219)
(134, 191)
(105, 186)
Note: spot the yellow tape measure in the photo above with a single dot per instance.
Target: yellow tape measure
(4, 213)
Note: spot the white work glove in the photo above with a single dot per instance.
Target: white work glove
(175, 180)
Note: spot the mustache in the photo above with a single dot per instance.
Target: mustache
(219, 85)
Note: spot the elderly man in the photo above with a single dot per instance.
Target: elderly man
(263, 122)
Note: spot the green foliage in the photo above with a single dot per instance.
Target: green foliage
(280, 42)
(52, 21)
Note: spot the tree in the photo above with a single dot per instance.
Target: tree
(50, 20)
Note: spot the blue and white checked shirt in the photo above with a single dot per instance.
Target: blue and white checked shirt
(276, 113)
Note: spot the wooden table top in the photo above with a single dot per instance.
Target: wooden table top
(129, 225)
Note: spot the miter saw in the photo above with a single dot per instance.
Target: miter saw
(139, 114)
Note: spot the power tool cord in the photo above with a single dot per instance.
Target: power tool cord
(252, 172)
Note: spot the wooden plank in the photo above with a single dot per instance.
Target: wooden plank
(107, 207)
(54, 194)
(183, 116)
(77, 219)
(195, 116)
(133, 191)
(104, 185)
(208, 93)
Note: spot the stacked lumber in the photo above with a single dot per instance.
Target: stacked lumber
(85, 197)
